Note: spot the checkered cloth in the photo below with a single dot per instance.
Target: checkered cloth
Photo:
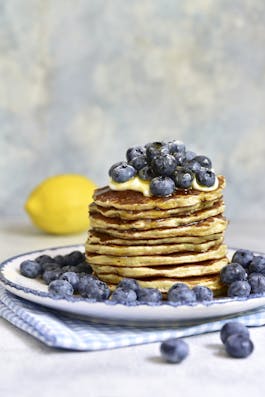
(61, 331)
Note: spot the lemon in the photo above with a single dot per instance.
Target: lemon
(59, 204)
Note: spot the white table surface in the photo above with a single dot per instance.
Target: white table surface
(28, 368)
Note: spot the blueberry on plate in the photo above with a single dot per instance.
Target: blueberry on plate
(123, 172)
(243, 257)
(257, 265)
(257, 283)
(205, 177)
(231, 328)
(174, 350)
(51, 275)
(239, 346)
(74, 258)
(83, 267)
(60, 260)
(176, 147)
(95, 289)
(154, 149)
(49, 266)
(138, 162)
(162, 186)
(232, 272)
(183, 178)
(135, 151)
(44, 259)
(128, 283)
(203, 293)
(124, 296)
(30, 268)
(164, 165)
(181, 294)
(84, 280)
(149, 295)
(60, 289)
(146, 173)
(204, 161)
(240, 289)
(72, 278)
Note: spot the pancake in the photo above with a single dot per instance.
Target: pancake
(105, 239)
(149, 214)
(204, 268)
(99, 221)
(164, 284)
(136, 201)
(115, 250)
(156, 260)
(206, 227)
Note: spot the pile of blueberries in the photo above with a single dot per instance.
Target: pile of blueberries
(245, 275)
(69, 274)
(234, 335)
(167, 165)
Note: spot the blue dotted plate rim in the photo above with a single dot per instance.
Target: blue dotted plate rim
(75, 299)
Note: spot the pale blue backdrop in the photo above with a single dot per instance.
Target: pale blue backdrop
(83, 80)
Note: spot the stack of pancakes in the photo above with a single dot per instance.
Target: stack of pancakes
(158, 241)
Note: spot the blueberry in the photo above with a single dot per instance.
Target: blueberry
(164, 165)
(95, 289)
(231, 328)
(84, 280)
(239, 289)
(205, 177)
(50, 275)
(239, 346)
(44, 259)
(176, 147)
(149, 295)
(30, 268)
(146, 174)
(114, 166)
(174, 350)
(60, 260)
(183, 178)
(243, 257)
(67, 268)
(49, 266)
(138, 162)
(135, 151)
(74, 258)
(257, 265)
(180, 293)
(156, 149)
(83, 267)
(203, 293)
(204, 161)
(124, 296)
(72, 278)
(162, 186)
(192, 165)
(257, 283)
(60, 288)
(180, 159)
(190, 155)
(123, 172)
(232, 272)
(128, 283)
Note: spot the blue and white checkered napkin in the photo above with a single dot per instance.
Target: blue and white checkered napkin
(58, 330)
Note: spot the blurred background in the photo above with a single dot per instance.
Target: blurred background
(81, 81)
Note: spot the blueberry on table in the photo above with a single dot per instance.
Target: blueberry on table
(72, 278)
(243, 257)
(231, 328)
(123, 172)
(240, 289)
(149, 295)
(232, 272)
(203, 293)
(205, 177)
(204, 161)
(154, 149)
(176, 147)
(164, 165)
(51, 275)
(44, 259)
(74, 258)
(129, 283)
(30, 268)
(174, 350)
(257, 265)
(124, 296)
(181, 294)
(138, 162)
(135, 151)
(162, 186)
(239, 346)
(183, 178)
(146, 174)
(257, 283)
(60, 289)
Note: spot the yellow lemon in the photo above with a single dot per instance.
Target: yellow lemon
(59, 204)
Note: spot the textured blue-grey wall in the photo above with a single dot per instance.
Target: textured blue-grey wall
(83, 80)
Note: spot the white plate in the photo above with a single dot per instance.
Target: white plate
(36, 291)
